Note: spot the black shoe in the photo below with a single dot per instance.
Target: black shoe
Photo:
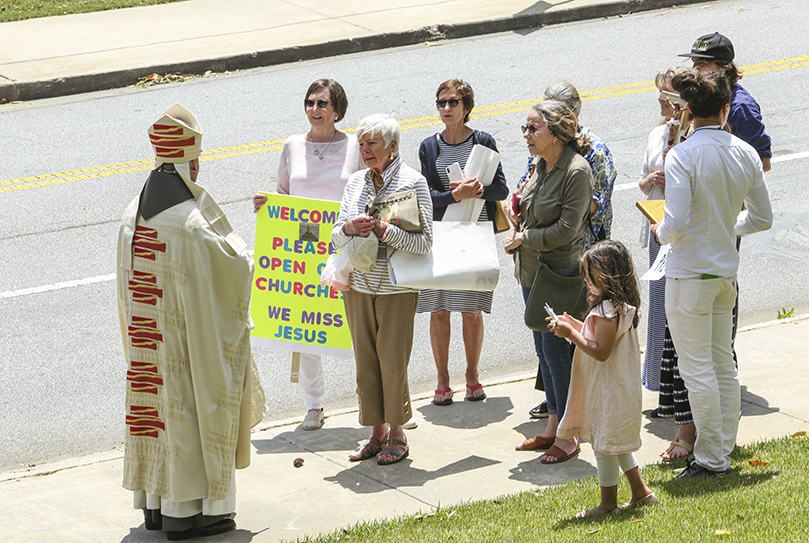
(655, 414)
(212, 529)
(695, 471)
(153, 519)
(540, 411)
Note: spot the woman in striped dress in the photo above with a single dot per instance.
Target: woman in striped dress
(660, 366)
(455, 100)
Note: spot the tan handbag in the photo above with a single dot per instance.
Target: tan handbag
(501, 222)
(399, 209)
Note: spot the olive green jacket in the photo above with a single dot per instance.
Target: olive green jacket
(554, 208)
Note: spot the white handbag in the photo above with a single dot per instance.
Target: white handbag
(463, 257)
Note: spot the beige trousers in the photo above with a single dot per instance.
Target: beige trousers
(382, 335)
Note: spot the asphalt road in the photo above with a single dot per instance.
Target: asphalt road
(61, 363)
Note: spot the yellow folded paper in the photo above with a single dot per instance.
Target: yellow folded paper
(652, 209)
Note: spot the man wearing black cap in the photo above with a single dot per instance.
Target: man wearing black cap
(714, 53)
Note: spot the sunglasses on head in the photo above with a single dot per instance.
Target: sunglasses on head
(532, 129)
(452, 103)
(320, 103)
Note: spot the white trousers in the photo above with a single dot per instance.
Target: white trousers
(310, 377)
(700, 321)
(608, 464)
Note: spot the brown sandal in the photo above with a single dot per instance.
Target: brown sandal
(398, 455)
(536, 443)
(561, 456)
(365, 451)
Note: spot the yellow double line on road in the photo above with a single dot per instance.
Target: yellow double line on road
(48, 179)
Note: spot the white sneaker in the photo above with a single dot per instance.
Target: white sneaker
(411, 424)
(313, 419)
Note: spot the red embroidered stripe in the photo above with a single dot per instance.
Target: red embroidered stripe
(168, 129)
(173, 142)
(142, 432)
(144, 410)
(143, 366)
(145, 232)
(144, 277)
(143, 388)
(144, 378)
(144, 322)
(165, 152)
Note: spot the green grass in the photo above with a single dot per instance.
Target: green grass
(761, 503)
(17, 10)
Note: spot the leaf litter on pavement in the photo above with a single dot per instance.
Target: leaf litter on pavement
(156, 79)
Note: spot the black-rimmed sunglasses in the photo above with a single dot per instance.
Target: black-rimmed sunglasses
(532, 129)
(322, 104)
(452, 103)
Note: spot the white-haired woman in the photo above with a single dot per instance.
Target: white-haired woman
(380, 315)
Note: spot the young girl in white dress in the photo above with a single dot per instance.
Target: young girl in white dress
(604, 403)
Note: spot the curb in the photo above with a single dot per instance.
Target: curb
(34, 90)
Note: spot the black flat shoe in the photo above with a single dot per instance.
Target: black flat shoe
(540, 411)
(212, 529)
(153, 519)
(695, 471)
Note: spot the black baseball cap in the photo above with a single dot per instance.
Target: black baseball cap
(713, 46)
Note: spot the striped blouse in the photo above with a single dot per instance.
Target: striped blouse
(397, 177)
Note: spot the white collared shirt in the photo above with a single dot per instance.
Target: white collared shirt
(708, 177)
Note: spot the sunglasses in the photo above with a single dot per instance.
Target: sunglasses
(322, 104)
(532, 129)
(452, 103)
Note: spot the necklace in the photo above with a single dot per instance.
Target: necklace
(321, 154)
(378, 184)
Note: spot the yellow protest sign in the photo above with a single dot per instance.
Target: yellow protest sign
(290, 309)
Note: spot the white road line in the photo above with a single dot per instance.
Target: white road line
(793, 156)
(784, 158)
(58, 286)
(625, 186)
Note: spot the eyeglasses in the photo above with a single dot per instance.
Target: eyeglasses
(452, 103)
(532, 129)
(322, 104)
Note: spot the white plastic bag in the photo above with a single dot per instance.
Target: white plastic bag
(336, 272)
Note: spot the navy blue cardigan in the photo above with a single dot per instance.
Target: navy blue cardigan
(428, 153)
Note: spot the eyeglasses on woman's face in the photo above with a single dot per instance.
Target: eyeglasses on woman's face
(322, 104)
(452, 103)
(532, 129)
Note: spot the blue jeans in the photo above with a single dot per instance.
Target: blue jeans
(554, 363)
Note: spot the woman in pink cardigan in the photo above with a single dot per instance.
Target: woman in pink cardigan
(317, 164)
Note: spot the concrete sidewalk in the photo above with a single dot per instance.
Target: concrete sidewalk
(71, 54)
(458, 453)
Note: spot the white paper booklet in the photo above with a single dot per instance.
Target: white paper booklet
(482, 163)
(658, 268)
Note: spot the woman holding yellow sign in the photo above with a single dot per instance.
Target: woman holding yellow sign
(317, 164)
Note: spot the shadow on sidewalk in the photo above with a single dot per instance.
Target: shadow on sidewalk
(142, 535)
(367, 477)
(535, 472)
(463, 415)
(322, 440)
(757, 402)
